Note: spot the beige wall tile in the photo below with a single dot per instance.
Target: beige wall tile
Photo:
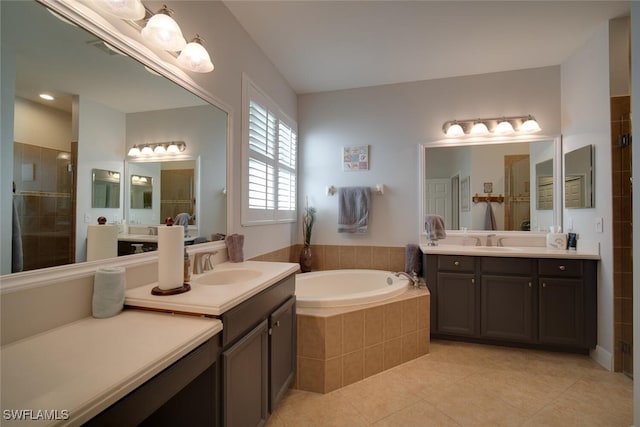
(373, 326)
(311, 336)
(396, 259)
(347, 256)
(331, 257)
(409, 315)
(423, 341)
(392, 320)
(424, 311)
(380, 258)
(311, 376)
(392, 355)
(352, 367)
(373, 359)
(333, 374)
(409, 346)
(333, 338)
(352, 331)
(363, 257)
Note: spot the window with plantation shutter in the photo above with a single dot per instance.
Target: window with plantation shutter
(270, 160)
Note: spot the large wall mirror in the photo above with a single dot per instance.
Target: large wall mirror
(462, 180)
(105, 102)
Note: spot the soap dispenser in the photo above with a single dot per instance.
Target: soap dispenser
(187, 267)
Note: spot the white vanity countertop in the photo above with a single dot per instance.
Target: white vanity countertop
(512, 251)
(214, 299)
(85, 366)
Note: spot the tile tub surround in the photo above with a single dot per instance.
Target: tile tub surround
(340, 346)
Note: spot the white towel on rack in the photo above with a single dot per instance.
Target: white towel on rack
(353, 209)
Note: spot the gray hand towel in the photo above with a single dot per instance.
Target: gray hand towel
(413, 259)
(353, 209)
(489, 218)
(108, 292)
(434, 227)
(235, 243)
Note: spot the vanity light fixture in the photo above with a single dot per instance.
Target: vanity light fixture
(164, 32)
(195, 57)
(499, 126)
(158, 148)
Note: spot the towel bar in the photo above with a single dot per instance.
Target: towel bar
(330, 190)
(478, 199)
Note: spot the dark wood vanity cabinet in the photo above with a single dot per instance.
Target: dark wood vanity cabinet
(533, 302)
(259, 354)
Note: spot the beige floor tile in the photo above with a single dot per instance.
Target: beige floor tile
(421, 414)
(300, 408)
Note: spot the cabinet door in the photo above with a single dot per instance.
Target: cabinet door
(282, 357)
(561, 311)
(506, 308)
(456, 304)
(245, 378)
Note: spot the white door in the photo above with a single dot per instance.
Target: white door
(438, 199)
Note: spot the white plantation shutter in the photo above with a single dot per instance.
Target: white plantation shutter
(270, 161)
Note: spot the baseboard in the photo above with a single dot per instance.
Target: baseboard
(602, 357)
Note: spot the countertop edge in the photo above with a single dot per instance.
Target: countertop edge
(524, 252)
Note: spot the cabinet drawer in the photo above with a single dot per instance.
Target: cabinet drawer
(560, 267)
(514, 266)
(456, 263)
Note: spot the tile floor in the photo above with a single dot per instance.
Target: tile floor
(462, 384)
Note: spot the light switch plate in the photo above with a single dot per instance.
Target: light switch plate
(599, 224)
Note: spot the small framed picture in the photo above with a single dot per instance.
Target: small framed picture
(465, 194)
(355, 158)
(488, 187)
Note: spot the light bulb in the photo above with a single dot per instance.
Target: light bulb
(124, 9)
(479, 128)
(195, 57)
(530, 126)
(163, 32)
(173, 149)
(134, 151)
(146, 150)
(503, 128)
(455, 130)
(159, 149)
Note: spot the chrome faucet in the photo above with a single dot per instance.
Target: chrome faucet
(413, 277)
(490, 239)
(202, 262)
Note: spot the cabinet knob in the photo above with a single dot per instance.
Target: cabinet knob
(562, 267)
(456, 263)
(277, 323)
(529, 284)
(473, 281)
(544, 285)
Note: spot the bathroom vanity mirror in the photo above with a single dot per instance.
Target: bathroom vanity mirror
(105, 102)
(141, 191)
(544, 185)
(105, 189)
(508, 167)
(578, 178)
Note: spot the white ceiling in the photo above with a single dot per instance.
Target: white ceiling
(321, 45)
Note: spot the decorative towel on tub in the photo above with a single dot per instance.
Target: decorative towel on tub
(434, 227)
(353, 209)
(413, 259)
(489, 218)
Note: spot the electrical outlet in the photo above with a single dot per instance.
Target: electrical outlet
(599, 228)
(87, 218)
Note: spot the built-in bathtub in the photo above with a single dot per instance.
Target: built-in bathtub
(338, 288)
(352, 324)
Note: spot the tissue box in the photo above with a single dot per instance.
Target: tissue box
(556, 240)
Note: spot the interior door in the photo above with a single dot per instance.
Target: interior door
(438, 199)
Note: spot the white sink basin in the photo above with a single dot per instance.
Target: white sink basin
(227, 277)
(500, 249)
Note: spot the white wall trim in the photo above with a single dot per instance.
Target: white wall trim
(602, 357)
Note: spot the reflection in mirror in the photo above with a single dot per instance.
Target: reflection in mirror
(454, 174)
(105, 103)
(105, 191)
(544, 185)
(578, 178)
(141, 192)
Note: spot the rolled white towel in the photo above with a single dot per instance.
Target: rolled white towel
(108, 292)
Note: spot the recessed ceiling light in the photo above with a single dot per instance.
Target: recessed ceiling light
(46, 96)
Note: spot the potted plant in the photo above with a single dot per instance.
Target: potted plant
(307, 227)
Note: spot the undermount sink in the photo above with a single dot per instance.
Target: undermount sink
(227, 277)
(500, 249)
